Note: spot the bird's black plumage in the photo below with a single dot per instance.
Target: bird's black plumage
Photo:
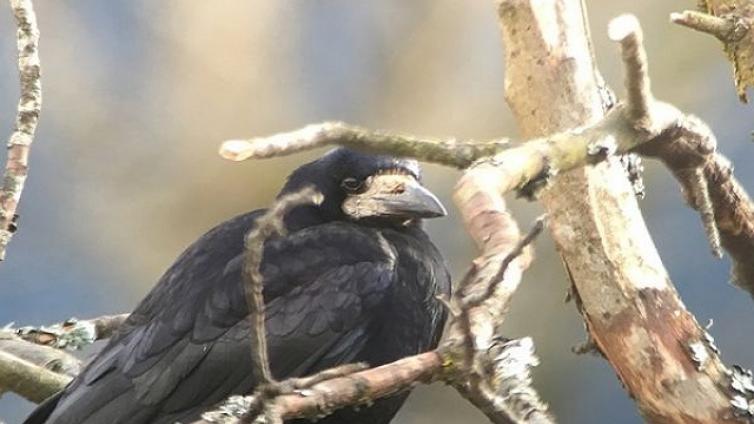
(338, 288)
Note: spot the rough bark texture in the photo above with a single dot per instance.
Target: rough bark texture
(734, 215)
(739, 42)
(691, 158)
(323, 398)
(731, 22)
(632, 310)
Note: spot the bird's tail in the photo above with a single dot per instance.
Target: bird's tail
(44, 409)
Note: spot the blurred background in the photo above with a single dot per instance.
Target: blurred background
(138, 95)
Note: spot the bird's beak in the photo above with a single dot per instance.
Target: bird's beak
(394, 195)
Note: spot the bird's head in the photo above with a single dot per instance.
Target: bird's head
(364, 187)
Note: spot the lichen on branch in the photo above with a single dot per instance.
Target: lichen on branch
(29, 106)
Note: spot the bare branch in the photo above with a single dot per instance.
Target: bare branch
(323, 398)
(689, 151)
(494, 373)
(513, 166)
(72, 333)
(29, 355)
(489, 288)
(625, 29)
(449, 152)
(703, 204)
(29, 106)
(731, 22)
(301, 383)
(269, 225)
(722, 28)
(28, 380)
(632, 302)
(55, 360)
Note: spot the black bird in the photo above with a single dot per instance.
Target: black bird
(354, 280)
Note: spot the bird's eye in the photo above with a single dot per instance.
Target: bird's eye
(351, 185)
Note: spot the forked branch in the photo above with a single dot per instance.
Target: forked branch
(731, 22)
(269, 225)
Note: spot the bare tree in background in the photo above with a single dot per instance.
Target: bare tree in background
(580, 160)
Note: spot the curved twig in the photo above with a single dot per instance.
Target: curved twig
(268, 225)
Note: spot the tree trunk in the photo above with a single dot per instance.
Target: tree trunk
(631, 308)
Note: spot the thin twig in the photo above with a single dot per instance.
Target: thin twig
(487, 366)
(473, 299)
(269, 225)
(29, 106)
(731, 22)
(451, 152)
(514, 166)
(724, 29)
(485, 288)
(703, 204)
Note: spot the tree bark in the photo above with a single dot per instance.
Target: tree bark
(731, 22)
(632, 311)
